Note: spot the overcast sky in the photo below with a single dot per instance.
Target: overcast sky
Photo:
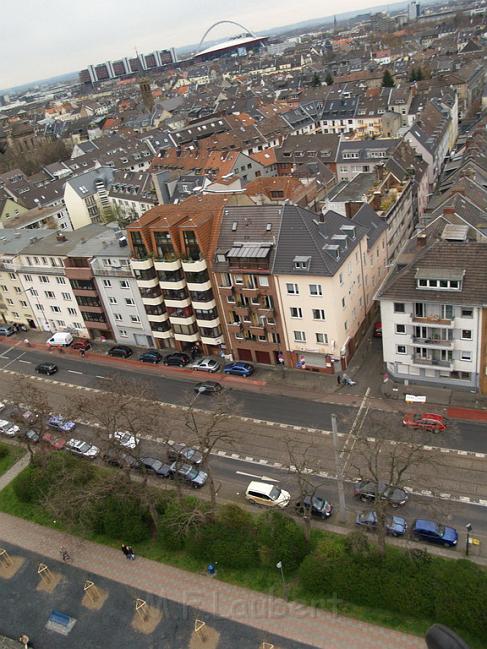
(44, 38)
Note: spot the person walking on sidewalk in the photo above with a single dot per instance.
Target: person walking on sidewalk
(130, 553)
(125, 550)
(339, 379)
(82, 353)
(26, 641)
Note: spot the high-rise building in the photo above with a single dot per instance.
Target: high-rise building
(121, 67)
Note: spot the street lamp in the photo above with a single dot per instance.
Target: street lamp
(468, 527)
(280, 567)
(34, 294)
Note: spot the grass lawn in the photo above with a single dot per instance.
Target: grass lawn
(260, 579)
(13, 453)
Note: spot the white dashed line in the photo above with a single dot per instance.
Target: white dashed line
(74, 372)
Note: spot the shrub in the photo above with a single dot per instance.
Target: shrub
(180, 520)
(122, 518)
(4, 451)
(281, 539)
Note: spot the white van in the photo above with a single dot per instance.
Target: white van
(60, 339)
(263, 493)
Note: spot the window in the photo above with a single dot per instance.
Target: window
(55, 309)
(71, 311)
(129, 301)
(118, 316)
(467, 313)
(4, 288)
(107, 283)
(123, 333)
(77, 325)
(296, 312)
(9, 301)
(134, 318)
(299, 337)
(315, 290)
(24, 304)
(238, 279)
(466, 356)
(322, 339)
(11, 275)
(401, 349)
(61, 280)
(39, 307)
(340, 278)
(28, 278)
(43, 279)
(466, 334)
(49, 294)
(124, 283)
(66, 296)
(17, 289)
(112, 300)
(263, 280)
(400, 329)
(443, 284)
(318, 314)
(399, 307)
(60, 323)
(345, 325)
(343, 302)
(292, 289)
(34, 292)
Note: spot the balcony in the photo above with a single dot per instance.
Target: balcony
(112, 272)
(162, 334)
(203, 305)
(189, 338)
(431, 362)
(173, 284)
(265, 311)
(203, 322)
(85, 292)
(203, 286)
(76, 272)
(212, 341)
(147, 283)
(167, 265)
(152, 299)
(432, 320)
(97, 324)
(142, 264)
(179, 318)
(241, 310)
(194, 266)
(257, 330)
(157, 317)
(226, 290)
(90, 308)
(432, 342)
(41, 270)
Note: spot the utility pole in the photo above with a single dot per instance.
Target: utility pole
(339, 472)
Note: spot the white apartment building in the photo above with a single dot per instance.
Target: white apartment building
(86, 197)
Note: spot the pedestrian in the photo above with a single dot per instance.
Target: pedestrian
(211, 569)
(26, 641)
(125, 550)
(130, 553)
(82, 353)
(339, 379)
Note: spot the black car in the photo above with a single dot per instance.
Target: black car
(368, 490)
(183, 453)
(47, 368)
(188, 473)
(151, 356)
(156, 466)
(317, 506)
(116, 457)
(208, 387)
(120, 351)
(178, 359)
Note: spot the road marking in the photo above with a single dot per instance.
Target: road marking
(27, 362)
(102, 377)
(259, 477)
(13, 360)
(74, 372)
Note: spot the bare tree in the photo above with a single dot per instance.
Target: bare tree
(31, 408)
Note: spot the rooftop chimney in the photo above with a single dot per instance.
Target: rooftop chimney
(448, 210)
(421, 240)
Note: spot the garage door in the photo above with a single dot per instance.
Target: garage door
(263, 357)
(244, 354)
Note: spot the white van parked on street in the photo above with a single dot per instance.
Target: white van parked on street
(60, 339)
(263, 493)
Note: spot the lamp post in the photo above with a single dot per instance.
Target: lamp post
(468, 527)
(339, 471)
(280, 567)
(33, 294)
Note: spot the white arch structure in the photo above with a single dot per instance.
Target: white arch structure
(223, 22)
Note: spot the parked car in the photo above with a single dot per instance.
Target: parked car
(156, 466)
(178, 359)
(55, 442)
(433, 532)
(124, 438)
(314, 505)
(239, 368)
(151, 356)
(183, 453)
(394, 525)
(120, 351)
(83, 449)
(7, 330)
(116, 457)
(59, 423)
(60, 339)
(81, 344)
(2, 407)
(268, 495)
(208, 387)
(8, 428)
(377, 329)
(368, 490)
(206, 365)
(32, 436)
(190, 474)
(428, 421)
(28, 416)
(46, 368)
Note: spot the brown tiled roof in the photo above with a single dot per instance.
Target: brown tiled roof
(197, 208)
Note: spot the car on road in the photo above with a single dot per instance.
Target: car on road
(124, 438)
(195, 477)
(151, 356)
(156, 466)
(46, 368)
(116, 457)
(433, 532)
(239, 368)
(178, 359)
(55, 442)
(59, 423)
(206, 364)
(314, 505)
(8, 428)
(83, 449)
(377, 329)
(367, 491)
(268, 495)
(32, 436)
(120, 351)
(428, 421)
(183, 453)
(7, 330)
(208, 387)
(81, 344)
(394, 525)
(2, 406)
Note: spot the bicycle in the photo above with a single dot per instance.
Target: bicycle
(65, 556)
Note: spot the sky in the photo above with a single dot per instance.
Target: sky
(45, 38)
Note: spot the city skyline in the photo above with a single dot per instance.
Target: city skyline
(107, 35)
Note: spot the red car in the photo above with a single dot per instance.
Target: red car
(81, 343)
(377, 329)
(426, 421)
(57, 443)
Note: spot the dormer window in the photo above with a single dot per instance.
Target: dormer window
(439, 279)
(301, 263)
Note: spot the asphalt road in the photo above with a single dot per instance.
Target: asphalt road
(468, 436)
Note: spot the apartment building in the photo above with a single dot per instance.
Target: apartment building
(433, 310)
(86, 197)
(357, 156)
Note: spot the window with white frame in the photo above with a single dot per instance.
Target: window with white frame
(299, 337)
(50, 294)
(401, 349)
(77, 325)
(9, 301)
(129, 301)
(112, 300)
(466, 334)
(56, 309)
(123, 333)
(263, 280)
(321, 338)
(66, 296)
(107, 283)
(118, 316)
(44, 279)
(292, 289)
(399, 307)
(60, 323)
(318, 314)
(39, 307)
(17, 289)
(124, 283)
(465, 356)
(24, 304)
(61, 280)
(296, 312)
(467, 313)
(28, 278)
(315, 290)
(400, 328)
(72, 311)
(134, 318)
(34, 292)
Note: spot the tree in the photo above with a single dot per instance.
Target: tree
(315, 81)
(416, 74)
(329, 79)
(28, 397)
(387, 80)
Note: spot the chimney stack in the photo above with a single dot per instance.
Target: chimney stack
(448, 210)
(420, 240)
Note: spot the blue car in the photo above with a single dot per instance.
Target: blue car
(64, 425)
(433, 532)
(239, 368)
(395, 525)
